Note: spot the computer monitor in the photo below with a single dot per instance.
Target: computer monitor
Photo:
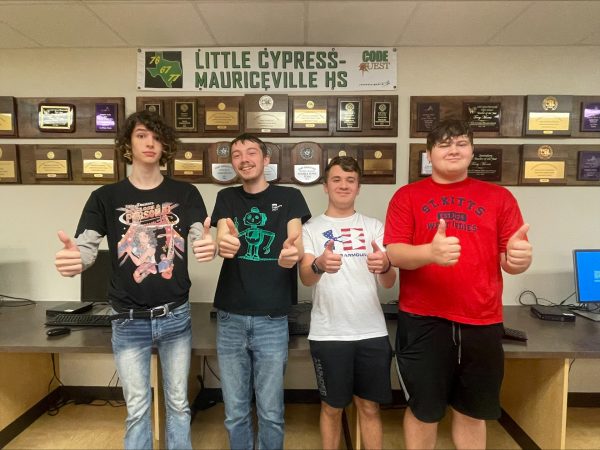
(96, 279)
(586, 264)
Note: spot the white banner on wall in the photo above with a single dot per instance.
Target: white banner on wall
(272, 69)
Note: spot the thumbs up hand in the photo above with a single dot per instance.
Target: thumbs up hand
(230, 242)
(445, 250)
(204, 248)
(377, 262)
(68, 259)
(288, 256)
(328, 261)
(519, 250)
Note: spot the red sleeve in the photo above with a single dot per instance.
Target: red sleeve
(509, 218)
(399, 221)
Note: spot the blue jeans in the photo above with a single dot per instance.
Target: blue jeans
(253, 352)
(132, 342)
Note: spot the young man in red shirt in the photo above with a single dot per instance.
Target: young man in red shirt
(451, 235)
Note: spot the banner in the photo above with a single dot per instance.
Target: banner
(272, 69)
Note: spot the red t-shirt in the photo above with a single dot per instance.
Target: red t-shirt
(483, 216)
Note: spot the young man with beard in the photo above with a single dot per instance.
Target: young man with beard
(259, 236)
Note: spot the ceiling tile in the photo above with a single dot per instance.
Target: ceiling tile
(154, 23)
(552, 23)
(10, 38)
(458, 23)
(255, 22)
(59, 24)
(357, 23)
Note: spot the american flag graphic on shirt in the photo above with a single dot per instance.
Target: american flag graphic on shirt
(350, 238)
(354, 239)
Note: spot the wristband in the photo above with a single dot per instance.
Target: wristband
(388, 268)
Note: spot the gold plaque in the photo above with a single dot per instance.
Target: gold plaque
(549, 115)
(188, 166)
(309, 113)
(56, 118)
(549, 122)
(6, 122)
(266, 113)
(378, 162)
(544, 171)
(7, 170)
(222, 114)
(98, 163)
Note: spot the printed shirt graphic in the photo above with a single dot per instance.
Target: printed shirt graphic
(146, 232)
(345, 304)
(253, 283)
(150, 240)
(482, 216)
(254, 238)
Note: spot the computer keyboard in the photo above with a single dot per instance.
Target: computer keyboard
(514, 335)
(79, 320)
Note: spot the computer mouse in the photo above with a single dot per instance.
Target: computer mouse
(58, 331)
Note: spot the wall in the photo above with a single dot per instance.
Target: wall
(561, 218)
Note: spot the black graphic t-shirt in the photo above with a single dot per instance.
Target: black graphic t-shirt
(147, 238)
(252, 283)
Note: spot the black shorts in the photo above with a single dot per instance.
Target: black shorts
(446, 363)
(347, 368)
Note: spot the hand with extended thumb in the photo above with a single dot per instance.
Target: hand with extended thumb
(289, 253)
(68, 259)
(445, 250)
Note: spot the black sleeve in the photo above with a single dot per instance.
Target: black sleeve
(299, 208)
(196, 209)
(93, 216)
(222, 207)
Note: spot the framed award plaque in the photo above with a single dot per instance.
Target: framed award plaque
(56, 118)
(266, 113)
(541, 166)
(8, 122)
(428, 116)
(590, 116)
(185, 116)
(349, 115)
(222, 114)
(52, 164)
(309, 113)
(588, 165)
(486, 164)
(482, 116)
(9, 164)
(219, 157)
(98, 163)
(548, 115)
(307, 159)
(188, 161)
(381, 115)
(106, 119)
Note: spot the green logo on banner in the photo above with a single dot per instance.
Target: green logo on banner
(163, 70)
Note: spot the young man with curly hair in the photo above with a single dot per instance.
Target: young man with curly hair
(147, 219)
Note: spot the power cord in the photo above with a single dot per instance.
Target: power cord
(9, 301)
(543, 301)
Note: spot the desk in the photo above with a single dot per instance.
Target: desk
(536, 377)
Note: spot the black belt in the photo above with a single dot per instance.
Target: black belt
(152, 313)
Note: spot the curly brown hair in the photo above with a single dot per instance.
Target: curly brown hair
(165, 133)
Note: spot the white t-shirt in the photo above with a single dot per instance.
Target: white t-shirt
(345, 304)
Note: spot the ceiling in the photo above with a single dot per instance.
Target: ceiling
(224, 23)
